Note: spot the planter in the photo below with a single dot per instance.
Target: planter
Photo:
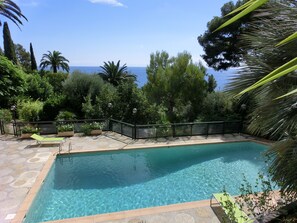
(66, 134)
(96, 132)
(26, 135)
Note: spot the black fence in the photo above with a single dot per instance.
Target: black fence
(175, 129)
(136, 131)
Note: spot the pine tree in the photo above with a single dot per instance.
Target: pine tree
(9, 50)
(33, 61)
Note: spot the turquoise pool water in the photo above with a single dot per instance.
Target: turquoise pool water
(94, 183)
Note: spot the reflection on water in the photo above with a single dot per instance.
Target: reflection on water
(124, 168)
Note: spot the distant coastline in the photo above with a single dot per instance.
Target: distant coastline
(222, 77)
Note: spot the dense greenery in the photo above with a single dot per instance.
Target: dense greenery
(221, 48)
(9, 50)
(176, 85)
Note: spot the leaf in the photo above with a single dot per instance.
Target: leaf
(285, 95)
(281, 71)
(245, 5)
(288, 39)
(249, 8)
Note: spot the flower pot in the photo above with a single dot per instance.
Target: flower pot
(26, 135)
(66, 134)
(96, 132)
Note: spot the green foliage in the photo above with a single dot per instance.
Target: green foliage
(12, 12)
(211, 83)
(115, 74)
(29, 129)
(9, 50)
(12, 81)
(222, 49)
(218, 106)
(269, 117)
(5, 115)
(65, 115)
(78, 86)
(23, 57)
(284, 161)
(38, 87)
(52, 106)
(55, 61)
(88, 127)
(32, 58)
(55, 79)
(29, 110)
(65, 127)
(176, 84)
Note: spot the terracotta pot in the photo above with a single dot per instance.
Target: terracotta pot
(96, 132)
(26, 135)
(66, 134)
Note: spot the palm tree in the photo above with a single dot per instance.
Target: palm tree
(115, 74)
(276, 119)
(55, 60)
(11, 11)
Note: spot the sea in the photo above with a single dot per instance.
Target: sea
(222, 77)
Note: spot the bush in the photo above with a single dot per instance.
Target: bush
(5, 115)
(65, 127)
(12, 81)
(29, 129)
(65, 115)
(52, 106)
(88, 127)
(38, 87)
(30, 110)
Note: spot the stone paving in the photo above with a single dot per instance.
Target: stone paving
(21, 161)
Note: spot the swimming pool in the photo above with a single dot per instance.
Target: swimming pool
(103, 182)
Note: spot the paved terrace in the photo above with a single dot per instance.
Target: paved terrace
(21, 161)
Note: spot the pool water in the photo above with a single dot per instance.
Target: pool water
(95, 183)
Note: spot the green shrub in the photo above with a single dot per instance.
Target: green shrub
(65, 127)
(5, 115)
(65, 115)
(88, 127)
(52, 106)
(30, 110)
(12, 81)
(29, 129)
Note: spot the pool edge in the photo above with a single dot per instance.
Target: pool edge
(26, 204)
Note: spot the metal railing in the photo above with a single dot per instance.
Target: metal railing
(140, 131)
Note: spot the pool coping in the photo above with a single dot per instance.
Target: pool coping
(26, 204)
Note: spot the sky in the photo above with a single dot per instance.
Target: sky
(89, 32)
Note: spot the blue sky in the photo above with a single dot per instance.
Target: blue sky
(89, 32)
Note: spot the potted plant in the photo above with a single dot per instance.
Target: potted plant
(94, 128)
(27, 131)
(65, 130)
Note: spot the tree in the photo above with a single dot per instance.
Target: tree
(23, 57)
(177, 84)
(32, 57)
(12, 81)
(9, 50)
(115, 74)
(275, 119)
(54, 60)
(211, 83)
(221, 48)
(11, 11)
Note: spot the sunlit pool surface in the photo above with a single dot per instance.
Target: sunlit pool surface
(95, 183)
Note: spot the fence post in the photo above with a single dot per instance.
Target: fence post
(2, 127)
(207, 129)
(173, 130)
(224, 128)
